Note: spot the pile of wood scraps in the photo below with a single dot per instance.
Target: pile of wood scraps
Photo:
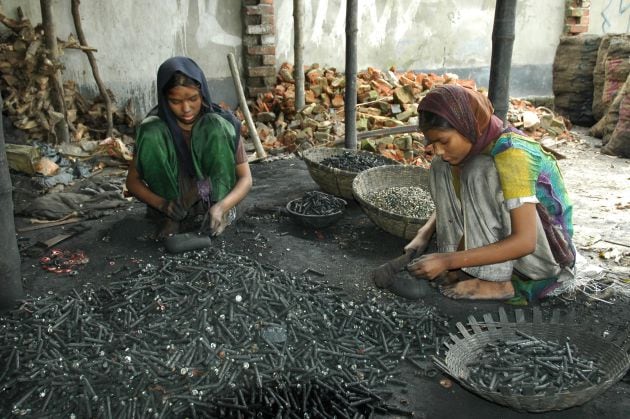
(26, 81)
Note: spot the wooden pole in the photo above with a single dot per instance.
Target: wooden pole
(90, 55)
(298, 52)
(11, 288)
(351, 75)
(61, 128)
(260, 151)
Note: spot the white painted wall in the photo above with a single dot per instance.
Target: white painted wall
(134, 37)
(417, 34)
(609, 16)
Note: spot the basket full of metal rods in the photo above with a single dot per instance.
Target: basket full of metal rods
(334, 169)
(316, 209)
(395, 198)
(534, 366)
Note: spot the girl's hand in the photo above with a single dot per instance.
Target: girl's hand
(218, 219)
(429, 266)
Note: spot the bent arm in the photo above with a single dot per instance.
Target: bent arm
(521, 242)
(421, 240)
(240, 189)
(139, 189)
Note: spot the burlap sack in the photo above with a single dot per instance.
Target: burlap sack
(619, 140)
(572, 84)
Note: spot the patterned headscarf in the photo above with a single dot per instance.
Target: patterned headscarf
(190, 69)
(468, 111)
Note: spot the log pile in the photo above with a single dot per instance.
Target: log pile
(26, 73)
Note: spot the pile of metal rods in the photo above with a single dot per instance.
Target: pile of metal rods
(531, 366)
(316, 203)
(353, 162)
(211, 334)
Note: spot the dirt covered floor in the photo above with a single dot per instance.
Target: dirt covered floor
(117, 245)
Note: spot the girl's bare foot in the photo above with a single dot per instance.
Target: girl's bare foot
(168, 228)
(477, 289)
(450, 278)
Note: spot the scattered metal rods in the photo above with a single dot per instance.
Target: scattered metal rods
(211, 334)
(408, 201)
(354, 162)
(530, 366)
(317, 203)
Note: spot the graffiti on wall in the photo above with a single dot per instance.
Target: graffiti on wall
(610, 12)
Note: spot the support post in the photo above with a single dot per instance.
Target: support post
(61, 127)
(11, 289)
(501, 61)
(298, 53)
(351, 74)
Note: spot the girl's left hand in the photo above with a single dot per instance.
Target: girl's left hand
(429, 266)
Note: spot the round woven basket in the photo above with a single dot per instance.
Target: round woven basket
(332, 180)
(612, 360)
(383, 177)
(316, 221)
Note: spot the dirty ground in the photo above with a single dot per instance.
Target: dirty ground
(345, 253)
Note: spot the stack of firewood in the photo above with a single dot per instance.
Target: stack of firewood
(26, 81)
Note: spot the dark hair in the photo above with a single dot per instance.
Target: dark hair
(429, 120)
(180, 79)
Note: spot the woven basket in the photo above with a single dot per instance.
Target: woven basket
(612, 358)
(332, 180)
(316, 221)
(383, 177)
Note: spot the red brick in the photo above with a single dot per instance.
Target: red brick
(262, 50)
(259, 29)
(261, 9)
(262, 71)
(251, 40)
(577, 28)
(269, 60)
(268, 39)
(266, 1)
(255, 91)
(267, 19)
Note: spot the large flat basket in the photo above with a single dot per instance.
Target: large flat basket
(611, 357)
(333, 180)
(383, 177)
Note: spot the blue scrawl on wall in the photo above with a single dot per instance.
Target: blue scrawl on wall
(606, 13)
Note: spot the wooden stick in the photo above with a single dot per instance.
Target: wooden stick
(81, 47)
(387, 131)
(90, 55)
(61, 128)
(260, 151)
(48, 225)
